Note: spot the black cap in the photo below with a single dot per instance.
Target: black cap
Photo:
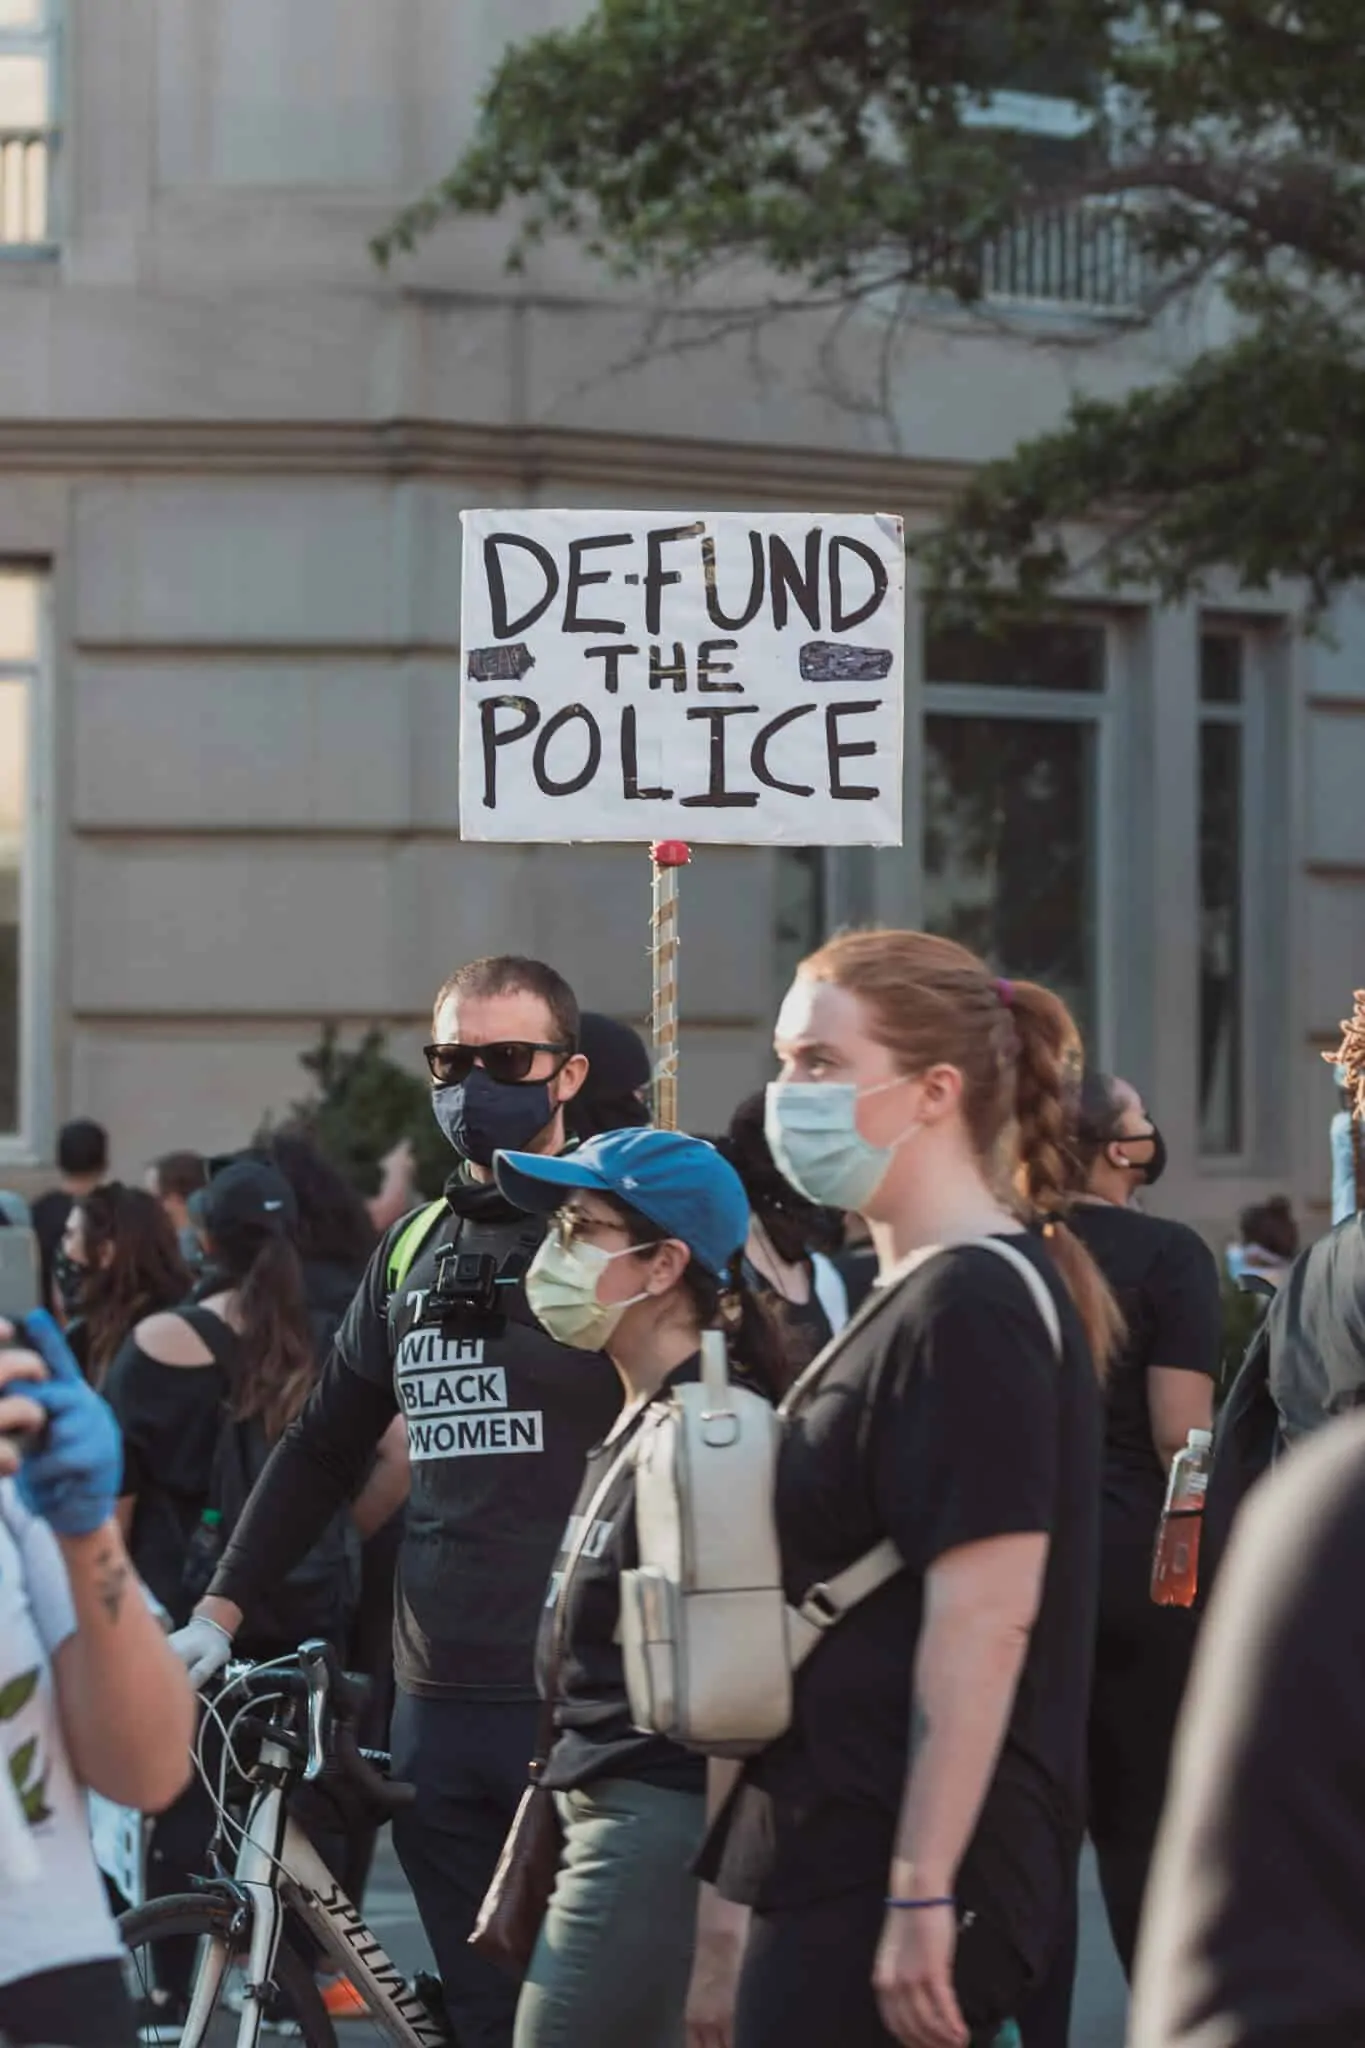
(247, 1198)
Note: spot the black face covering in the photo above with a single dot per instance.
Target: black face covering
(482, 1116)
(1150, 1169)
(70, 1279)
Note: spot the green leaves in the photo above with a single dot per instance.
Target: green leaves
(15, 1696)
(854, 152)
(32, 1790)
(361, 1104)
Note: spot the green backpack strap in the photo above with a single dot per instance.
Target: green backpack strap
(410, 1240)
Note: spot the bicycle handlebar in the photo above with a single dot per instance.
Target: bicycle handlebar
(322, 1686)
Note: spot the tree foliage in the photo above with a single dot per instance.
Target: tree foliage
(361, 1105)
(854, 150)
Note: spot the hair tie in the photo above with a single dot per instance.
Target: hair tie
(1005, 991)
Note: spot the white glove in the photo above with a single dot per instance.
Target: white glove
(203, 1648)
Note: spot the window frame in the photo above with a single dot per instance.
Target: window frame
(46, 41)
(29, 1144)
(1252, 717)
(1103, 710)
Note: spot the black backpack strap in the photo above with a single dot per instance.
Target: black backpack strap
(218, 1337)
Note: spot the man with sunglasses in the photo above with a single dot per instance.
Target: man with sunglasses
(500, 1420)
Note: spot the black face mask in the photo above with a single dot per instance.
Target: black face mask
(482, 1116)
(70, 1279)
(1150, 1169)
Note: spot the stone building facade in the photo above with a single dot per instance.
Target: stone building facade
(233, 456)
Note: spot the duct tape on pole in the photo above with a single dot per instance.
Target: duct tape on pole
(667, 857)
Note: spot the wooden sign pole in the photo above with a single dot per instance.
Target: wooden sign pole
(666, 857)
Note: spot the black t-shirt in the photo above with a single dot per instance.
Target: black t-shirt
(1165, 1280)
(1254, 1934)
(945, 1419)
(170, 1416)
(802, 1328)
(596, 1738)
(500, 1421)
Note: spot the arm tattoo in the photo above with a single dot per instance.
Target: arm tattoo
(111, 1582)
(919, 1728)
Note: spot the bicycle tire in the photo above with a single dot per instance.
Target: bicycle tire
(193, 1915)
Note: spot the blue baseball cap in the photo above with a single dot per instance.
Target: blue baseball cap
(680, 1183)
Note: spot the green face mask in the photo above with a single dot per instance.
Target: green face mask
(561, 1288)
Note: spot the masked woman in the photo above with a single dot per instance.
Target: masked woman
(118, 1262)
(1165, 1279)
(643, 1255)
(907, 1847)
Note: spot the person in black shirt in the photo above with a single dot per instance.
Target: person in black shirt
(82, 1163)
(1165, 1279)
(499, 1419)
(615, 1095)
(952, 1422)
(117, 1264)
(1254, 1934)
(787, 1253)
(336, 1240)
(643, 1254)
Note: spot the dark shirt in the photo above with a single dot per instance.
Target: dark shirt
(1316, 1326)
(500, 1419)
(1165, 1280)
(50, 1215)
(596, 1738)
(801, 1328)
(1254, 1935)
(945, 1419)
(170, 1416)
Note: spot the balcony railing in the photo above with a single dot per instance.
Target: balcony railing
(1081, 257)
(26, 156)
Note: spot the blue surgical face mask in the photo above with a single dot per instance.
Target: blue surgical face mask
(812, 1132)
(482, 1116)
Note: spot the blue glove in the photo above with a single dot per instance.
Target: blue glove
(71, 1476)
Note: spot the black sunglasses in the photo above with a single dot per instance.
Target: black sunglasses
(511, 1060)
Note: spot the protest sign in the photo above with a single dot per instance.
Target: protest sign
(721, 678)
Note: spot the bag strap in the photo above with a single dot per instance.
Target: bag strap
(1042, 1294)
(831, 1599)
(829, 1288)
(545, 1730)
(411, 1239)
(217, 1336)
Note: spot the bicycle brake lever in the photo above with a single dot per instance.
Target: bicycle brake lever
(315, 1672)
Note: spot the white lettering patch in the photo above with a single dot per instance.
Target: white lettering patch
(475, 1436)
(443, 1393)
(421, 1349)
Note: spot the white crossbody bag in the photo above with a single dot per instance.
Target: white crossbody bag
(710, 1643)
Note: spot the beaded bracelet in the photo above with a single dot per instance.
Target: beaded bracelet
(918, 1905)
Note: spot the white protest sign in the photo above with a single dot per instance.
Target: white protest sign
(721, 677)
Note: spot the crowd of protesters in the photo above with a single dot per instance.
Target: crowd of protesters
(927, 1241)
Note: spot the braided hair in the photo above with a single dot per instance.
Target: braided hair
(1018, 1051)
(1350, 1057)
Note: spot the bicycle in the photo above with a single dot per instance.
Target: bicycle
(248, 1965)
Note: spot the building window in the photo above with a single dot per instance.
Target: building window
(20, 606)
(1222, 828)
(801, 908)
(28, 130)
(1014, 754)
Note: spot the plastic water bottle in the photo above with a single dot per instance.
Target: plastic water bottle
(1175, 1562)
(202, 1553)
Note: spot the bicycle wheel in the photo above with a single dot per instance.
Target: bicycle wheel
(209, 2018)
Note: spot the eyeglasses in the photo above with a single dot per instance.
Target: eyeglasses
(512, 1060)
(576, 1226)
